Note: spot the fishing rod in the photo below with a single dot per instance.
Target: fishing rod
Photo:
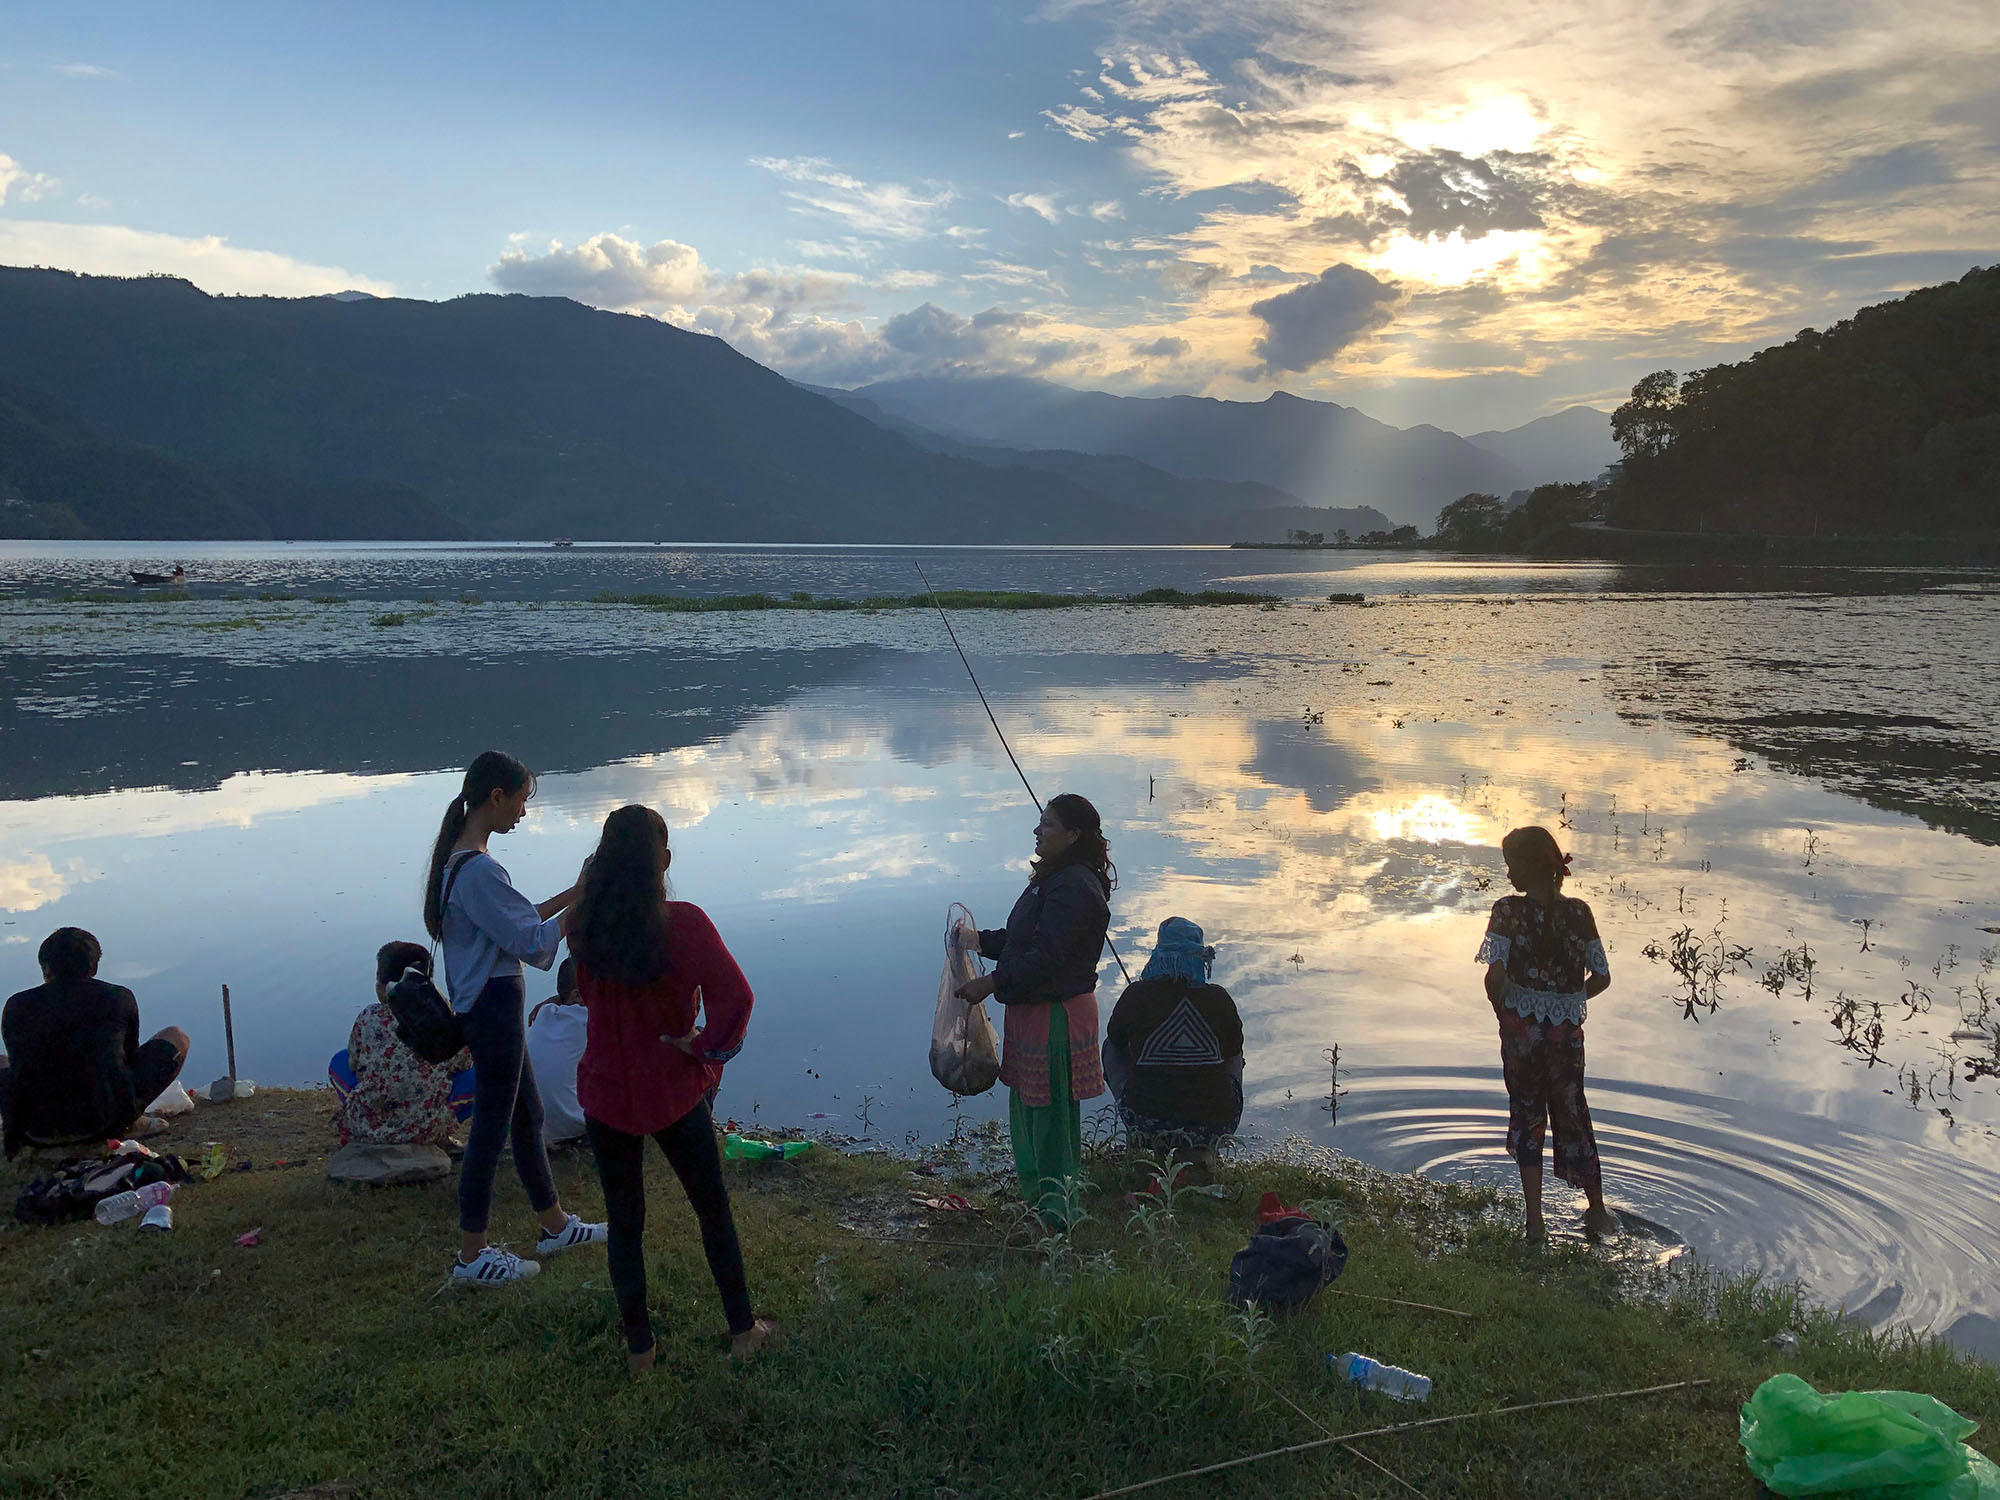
(939, 607)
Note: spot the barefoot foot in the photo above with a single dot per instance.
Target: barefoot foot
(745, 1345)
(1599, 1221)
(640, 1363)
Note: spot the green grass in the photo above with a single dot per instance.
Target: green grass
(959, 599)
(1000, 1365)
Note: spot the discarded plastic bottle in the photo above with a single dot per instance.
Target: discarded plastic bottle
(122, 1206)
(1388, 1380)
(743, 1148)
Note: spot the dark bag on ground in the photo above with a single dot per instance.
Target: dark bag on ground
(425, 1021)
(74, 1189)
(1286, 1263)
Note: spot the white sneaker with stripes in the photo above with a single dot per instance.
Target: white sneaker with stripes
(572, 1234)
(492, 1267)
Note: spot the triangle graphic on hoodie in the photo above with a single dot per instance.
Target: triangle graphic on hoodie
(1183, 1040)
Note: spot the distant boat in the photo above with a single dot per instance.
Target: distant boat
(154, 580)
(562, 541)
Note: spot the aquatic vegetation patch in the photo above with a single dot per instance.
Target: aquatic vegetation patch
(958, 599)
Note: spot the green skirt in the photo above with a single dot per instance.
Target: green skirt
(1048, 1141)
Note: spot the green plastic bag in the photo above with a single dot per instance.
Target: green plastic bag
(1886, 1445)
(741, 1148)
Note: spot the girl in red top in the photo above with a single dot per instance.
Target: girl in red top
(647, 967)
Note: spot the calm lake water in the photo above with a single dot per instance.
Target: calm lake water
(1788, 782)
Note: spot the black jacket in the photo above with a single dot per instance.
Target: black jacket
(1054, 937)
(1182, 1043)
(71, 1050)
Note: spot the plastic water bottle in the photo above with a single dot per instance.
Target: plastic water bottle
(122, 1206)
(1388, 1380)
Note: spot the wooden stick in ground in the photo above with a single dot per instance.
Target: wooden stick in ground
(229, 1033)
(1400, 1302)
(1348, 1437)
(1348, 1448)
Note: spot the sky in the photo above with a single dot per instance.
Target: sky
(1434, 210)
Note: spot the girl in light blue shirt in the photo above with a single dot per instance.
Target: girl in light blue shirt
(488, 929)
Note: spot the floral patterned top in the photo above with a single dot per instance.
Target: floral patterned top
(398, 1098)
(1545, 972)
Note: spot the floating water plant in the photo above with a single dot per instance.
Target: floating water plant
(961, 599)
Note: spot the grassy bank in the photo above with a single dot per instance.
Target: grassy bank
(959, 599)
(925, 1353)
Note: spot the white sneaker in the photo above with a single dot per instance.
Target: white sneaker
(572, 1234)
(492, 1267)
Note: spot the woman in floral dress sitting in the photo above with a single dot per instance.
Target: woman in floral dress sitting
(389, 1095)
(1543, 961)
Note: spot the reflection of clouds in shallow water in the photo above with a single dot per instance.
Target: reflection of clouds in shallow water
(31, 882)
(241, 801)
(1429, 819)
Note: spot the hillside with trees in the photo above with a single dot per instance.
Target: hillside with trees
(1886, 424)
(144, 407)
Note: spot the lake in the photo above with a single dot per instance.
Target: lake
(1782, 790)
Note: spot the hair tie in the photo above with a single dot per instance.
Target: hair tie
(1566, 859)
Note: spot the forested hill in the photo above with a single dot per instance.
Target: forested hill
(144, 407)
(1885, 424)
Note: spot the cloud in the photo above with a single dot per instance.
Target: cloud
(83, 70)
(1043, 204)
(990, 342)
(26, 186)
(1106, 211)
(1013, 273)
(1310, 324)
(905, 281)
(605, 270)
(209, 261)
(1658, 189)
(888, 210)
(1166, 347)
(668, 277)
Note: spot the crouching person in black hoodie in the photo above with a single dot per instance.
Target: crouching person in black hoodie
(1173, 1051)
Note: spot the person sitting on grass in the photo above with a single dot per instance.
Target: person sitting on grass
(389, 1096)
(75, 1069)
(1543, 961)
(649, 968)
(556, 1032)
(1173, 1051)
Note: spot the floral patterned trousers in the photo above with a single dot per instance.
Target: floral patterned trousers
(1542, 1062)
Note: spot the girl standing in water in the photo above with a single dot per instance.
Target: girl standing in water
(1045, 975)
(487, 929)
(648, 968)
(1543, 961)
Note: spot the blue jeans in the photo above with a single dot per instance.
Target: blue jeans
(505, 1101)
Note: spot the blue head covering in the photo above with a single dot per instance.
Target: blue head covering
(1180, 953)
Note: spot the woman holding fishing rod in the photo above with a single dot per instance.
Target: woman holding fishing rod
(1045, 977)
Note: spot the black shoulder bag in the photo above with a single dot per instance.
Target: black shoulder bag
(425, 1021)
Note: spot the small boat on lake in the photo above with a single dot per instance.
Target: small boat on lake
(562, 541)
(155, 580)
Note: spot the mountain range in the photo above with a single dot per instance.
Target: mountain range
(143, 407)
(1326, 455)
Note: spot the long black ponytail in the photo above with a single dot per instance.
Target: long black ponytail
(493, 771)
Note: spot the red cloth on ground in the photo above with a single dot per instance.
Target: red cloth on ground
(629, 1078)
